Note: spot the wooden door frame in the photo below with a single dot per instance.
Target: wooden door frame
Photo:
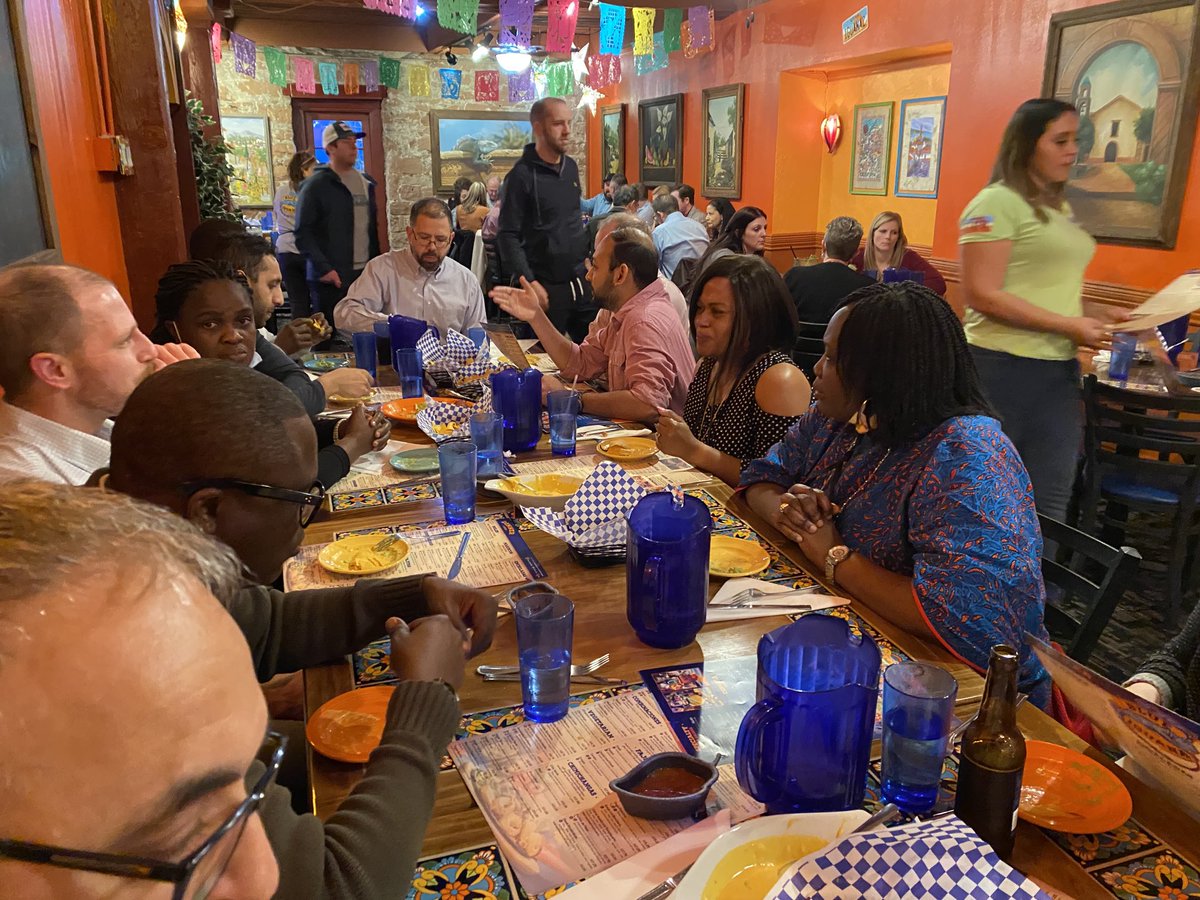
(370, 110)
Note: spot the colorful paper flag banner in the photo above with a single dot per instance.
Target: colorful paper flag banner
(603, 71)
(655, 61)
(643, 31)
(487, 85)
(350, 77)
(214, 41)
(276, 61)
(418, 80)
(560, 79)
(700, 26)
(520, 87)
(329, 78)
(370, 75)
(690, 50)
(516, 22)
(405, 9)
(540, 77)
(561, 16)
(612, 28)
(451, 83)
(672, 19)
(302, 67)
(458, 15)
(389, 72)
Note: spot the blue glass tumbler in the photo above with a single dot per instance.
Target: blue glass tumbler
(456, 466)
(1124, 346)
(666, 569)
(918, 709)
(410, 370)
(487, 434)
(545, 631)
(517, 396)
(563, 408)
(804, 746)
(364, 351)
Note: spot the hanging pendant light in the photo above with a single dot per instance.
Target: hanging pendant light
(831, 130)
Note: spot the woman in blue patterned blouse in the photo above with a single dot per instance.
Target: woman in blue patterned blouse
(901, 484)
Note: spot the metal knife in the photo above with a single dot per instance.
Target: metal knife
(456, 566)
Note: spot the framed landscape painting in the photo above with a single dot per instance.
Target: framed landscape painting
(660, 139)
(870, 148)
(253, 181)
(1129, 68)
(612, 139)
(722, 152)
(919, 147)
(475, 145)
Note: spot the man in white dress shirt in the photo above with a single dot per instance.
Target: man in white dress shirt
(420, 282)
(72, 356)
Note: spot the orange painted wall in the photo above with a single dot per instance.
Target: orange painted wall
(997, 52)
(68, 111)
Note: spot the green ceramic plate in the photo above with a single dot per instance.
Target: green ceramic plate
(423, 460)
(326, 362)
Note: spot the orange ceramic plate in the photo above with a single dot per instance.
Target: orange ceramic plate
(1064, 790)
(348, 727)
(404, 410)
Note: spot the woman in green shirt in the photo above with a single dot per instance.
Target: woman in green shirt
(1023, 259)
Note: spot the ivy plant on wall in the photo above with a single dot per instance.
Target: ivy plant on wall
(212, 170)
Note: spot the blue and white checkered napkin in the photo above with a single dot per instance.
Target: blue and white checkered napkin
(595, 516)
(942, 858)
(437, 413)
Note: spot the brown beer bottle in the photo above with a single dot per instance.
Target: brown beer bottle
(992, 757)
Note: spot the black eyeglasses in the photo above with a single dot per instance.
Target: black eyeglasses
(310, 501)
(193, 878)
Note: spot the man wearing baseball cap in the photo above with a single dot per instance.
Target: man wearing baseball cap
(336, 218)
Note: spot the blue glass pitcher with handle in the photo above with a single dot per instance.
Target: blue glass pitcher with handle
(668, 535)
(517, 397)
(804, 746)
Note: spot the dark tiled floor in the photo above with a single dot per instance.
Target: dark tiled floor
(1137, 627)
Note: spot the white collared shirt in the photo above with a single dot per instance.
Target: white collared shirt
(33, 447)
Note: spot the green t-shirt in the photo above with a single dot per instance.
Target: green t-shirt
(1046, 268)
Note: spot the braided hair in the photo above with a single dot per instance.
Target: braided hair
(902, 348)
(179, 283)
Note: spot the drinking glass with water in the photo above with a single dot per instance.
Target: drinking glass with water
(545, 630)
(456, 468)
(918, 713)
(410, 369)
(487, 434)
(563, 408)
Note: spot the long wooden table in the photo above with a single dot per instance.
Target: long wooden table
(601, 627)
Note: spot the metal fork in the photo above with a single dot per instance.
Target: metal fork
(583, 669)
(743, 597)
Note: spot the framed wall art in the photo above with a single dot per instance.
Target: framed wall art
(1129, 69)
(722, 154)
(660, 139)
(253, 181)
(475, 145)
(919, 147)
(612, 140)
(870, 148)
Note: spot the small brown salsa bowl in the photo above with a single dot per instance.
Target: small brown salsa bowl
(665, 786)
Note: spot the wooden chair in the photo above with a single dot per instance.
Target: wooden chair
(809, 346)
(1089, 572)
(1141, 453)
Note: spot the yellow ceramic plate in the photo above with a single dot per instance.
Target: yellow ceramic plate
(627, 449)
(733, 558)
(353, 555)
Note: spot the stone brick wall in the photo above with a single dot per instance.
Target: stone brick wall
(408, 161)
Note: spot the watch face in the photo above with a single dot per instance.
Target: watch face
(839, 553)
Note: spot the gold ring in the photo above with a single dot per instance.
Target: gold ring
(783, 505)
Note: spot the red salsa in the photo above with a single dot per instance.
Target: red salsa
(668, 781)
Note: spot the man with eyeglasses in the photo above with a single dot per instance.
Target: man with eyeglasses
(421, 281)
(144, 757)
(234, 452)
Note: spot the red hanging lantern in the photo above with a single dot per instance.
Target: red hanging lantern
(831, 130)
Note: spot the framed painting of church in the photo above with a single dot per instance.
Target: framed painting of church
(1129, 68)
(721, 157)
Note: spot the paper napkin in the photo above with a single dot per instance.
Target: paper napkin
(437, 414)
(736, 585)
(939, 858)
(642, 871)
(595, 516)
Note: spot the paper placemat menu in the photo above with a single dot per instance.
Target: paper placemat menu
(656, 474)
(496, 554)
(544, 789)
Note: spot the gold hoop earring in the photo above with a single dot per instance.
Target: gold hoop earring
(863, 421)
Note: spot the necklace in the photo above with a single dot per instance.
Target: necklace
(836, 474)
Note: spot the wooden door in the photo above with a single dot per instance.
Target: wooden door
(309, 118)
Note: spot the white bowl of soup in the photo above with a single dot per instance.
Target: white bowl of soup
(747, 861)
(551, 491)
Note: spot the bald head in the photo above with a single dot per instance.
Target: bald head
(613, 221)
(551, 121)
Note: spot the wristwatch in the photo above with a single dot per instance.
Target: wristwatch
(835, 556)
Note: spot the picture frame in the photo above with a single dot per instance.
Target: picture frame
(460, 142)
(612, 140)
(1129, 67)
(721, 156)
(660, 139)
(919, 147)
(252, 184)
(871, 148)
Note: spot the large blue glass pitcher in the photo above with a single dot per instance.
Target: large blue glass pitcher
(517, 397)
(804, 746)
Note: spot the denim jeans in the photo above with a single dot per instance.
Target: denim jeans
(1040, 405)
